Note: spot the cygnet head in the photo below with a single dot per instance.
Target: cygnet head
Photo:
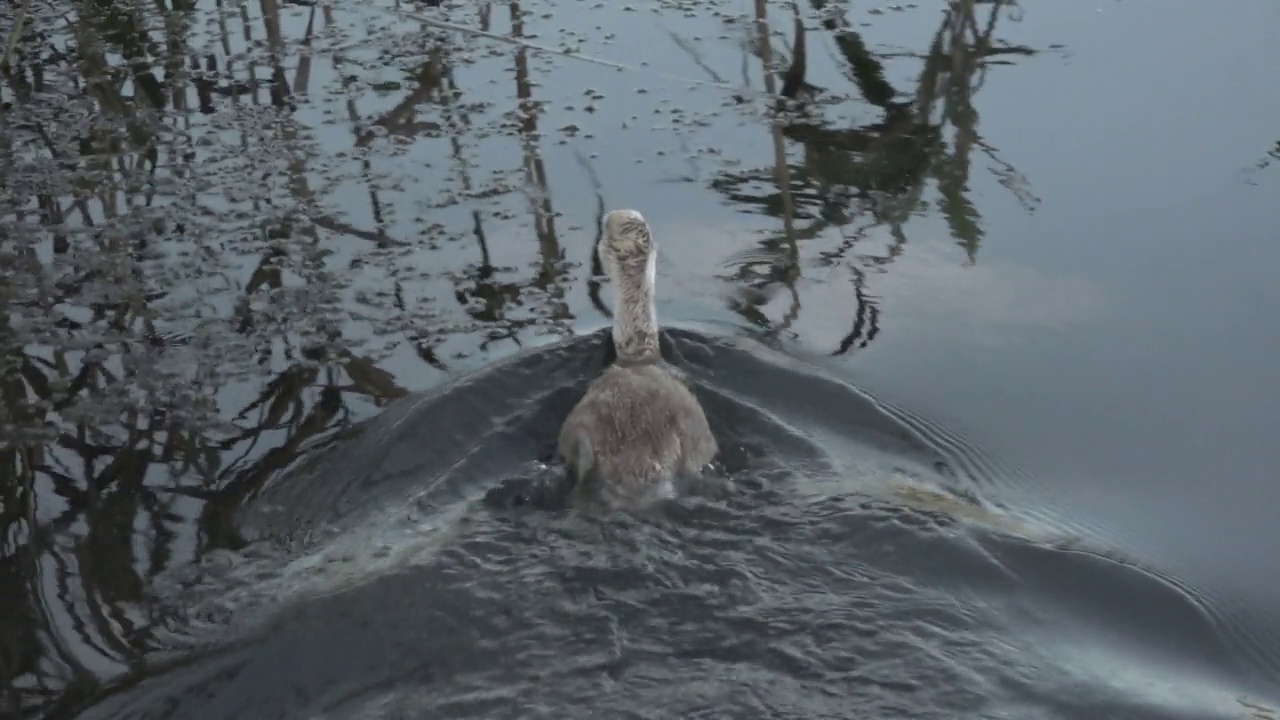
(627, 248)
(630, 257)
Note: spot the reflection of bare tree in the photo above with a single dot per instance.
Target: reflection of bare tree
(1272, 156)
(882, 169)
(483, 283)
(597, 267)
(112, 414)
(181, 305)
(535, 172)
(785, 266)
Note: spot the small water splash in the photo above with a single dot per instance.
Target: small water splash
(230, 593)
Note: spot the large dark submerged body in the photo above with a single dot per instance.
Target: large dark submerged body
(427, 567)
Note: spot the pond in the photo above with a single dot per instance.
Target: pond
(979, 296)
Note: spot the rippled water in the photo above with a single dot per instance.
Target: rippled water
(821, 575)
(298, 295)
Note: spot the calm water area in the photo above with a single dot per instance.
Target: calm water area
(980, 298)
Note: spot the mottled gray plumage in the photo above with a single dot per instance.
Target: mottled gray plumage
(639, 424)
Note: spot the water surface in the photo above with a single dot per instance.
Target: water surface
(1041, 236)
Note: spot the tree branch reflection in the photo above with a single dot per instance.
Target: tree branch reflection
(876, 174)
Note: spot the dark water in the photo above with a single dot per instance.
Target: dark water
(251, 252)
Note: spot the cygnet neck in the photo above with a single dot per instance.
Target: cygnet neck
(635, 318)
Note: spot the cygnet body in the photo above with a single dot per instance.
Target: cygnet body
(639, 425)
